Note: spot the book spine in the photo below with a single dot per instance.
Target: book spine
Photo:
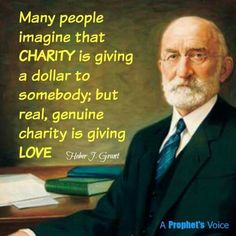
(84, 175)
(66, 188)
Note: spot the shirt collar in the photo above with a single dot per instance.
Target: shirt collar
(194, 118)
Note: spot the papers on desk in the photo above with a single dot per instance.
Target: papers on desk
(23, 191)
(42, 201)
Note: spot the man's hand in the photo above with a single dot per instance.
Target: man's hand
(19, 233)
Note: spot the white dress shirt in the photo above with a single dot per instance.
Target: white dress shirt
(192, 122)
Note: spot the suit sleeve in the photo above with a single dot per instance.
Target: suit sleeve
(104, 219)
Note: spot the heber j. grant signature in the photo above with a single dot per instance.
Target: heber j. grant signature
(92, 156)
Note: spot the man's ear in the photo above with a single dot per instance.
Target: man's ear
(159, 64)
(227, 68)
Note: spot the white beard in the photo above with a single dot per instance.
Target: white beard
(192, 92)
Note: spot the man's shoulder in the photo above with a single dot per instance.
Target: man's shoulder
(224, 110)
(228, 114)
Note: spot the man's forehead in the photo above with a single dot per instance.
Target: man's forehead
(187, 34)
(185, 44)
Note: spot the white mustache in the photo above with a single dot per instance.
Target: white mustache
(178, 82)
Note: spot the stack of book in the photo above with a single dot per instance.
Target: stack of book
(84, 180)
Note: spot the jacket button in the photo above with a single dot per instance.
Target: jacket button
(144, 232)
(150, 215)
(154, 194)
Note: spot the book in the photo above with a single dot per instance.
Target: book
(78, 186)
(95, 171)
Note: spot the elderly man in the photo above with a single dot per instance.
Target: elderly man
(180, 173)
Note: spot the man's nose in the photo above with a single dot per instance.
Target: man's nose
(184, 68)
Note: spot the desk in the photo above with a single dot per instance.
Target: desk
(12, 218)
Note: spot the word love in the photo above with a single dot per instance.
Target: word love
(35, 152)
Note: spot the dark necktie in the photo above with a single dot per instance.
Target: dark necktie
(168, 152)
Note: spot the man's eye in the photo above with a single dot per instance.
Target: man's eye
(172, 57)
(198, 56)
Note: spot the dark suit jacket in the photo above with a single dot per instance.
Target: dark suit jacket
(202, 187)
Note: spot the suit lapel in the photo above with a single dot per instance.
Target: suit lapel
(193, 158)
(146, 169)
